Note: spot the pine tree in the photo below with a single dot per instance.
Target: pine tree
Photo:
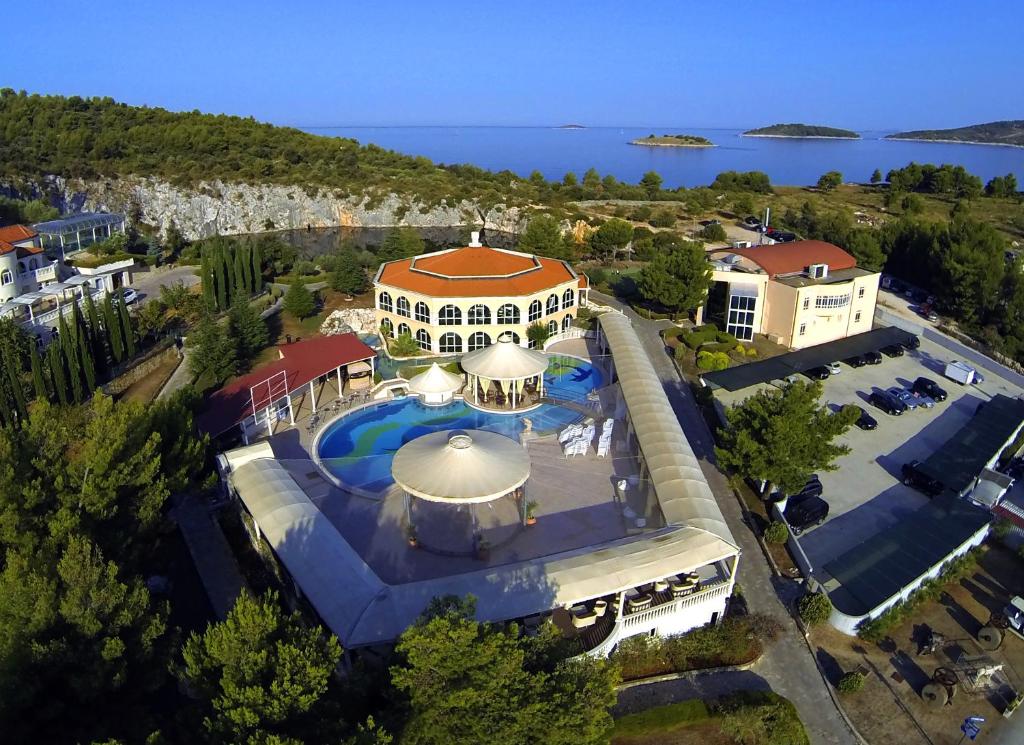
(11, 368)
(247, 329)
(113, 329)
(213, 351)
(69, 351)
(128, 333)
(299, 301)
(38, 379)
(257, 268)
(55, 363)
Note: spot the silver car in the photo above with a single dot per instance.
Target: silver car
(908, 398)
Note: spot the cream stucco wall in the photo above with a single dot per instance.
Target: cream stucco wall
(464, 330)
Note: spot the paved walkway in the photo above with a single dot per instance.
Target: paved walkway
(210, 551)
(181, 376)
(787, 667)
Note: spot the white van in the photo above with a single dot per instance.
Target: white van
(960, 372)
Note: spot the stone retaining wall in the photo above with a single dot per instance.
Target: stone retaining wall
(155, 359)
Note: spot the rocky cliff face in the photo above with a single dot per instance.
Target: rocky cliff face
(218, 208)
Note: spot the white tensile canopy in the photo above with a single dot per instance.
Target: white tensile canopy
(461, 466)
(435, 381)
(505, 360)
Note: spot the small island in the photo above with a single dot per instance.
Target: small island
(1009, 133)
(805, 131)
(673, 141)
(572, 126)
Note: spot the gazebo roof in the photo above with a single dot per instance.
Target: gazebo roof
(505, 360)
(435, 379)
(461, 466)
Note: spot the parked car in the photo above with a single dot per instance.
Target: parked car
(805, 512)
(887, 403)
(892, 350)
(752, 222)
(923, 399)
(932, 317)
(914, 477)
(865, 420)
(833, 368)
(817, 373)
(129, 295)
(904, 396)
(929, 387)
(912, 342)
(856, 361)
(873, 358)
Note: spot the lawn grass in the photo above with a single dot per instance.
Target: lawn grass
(662, 718)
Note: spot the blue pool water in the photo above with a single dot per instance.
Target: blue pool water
(359, 447)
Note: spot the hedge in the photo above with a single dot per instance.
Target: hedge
(851, 682)
(711, 361)
(776, 532)
(718, 346)
(814, 608)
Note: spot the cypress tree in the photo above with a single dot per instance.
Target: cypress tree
(55, 363)
(113, 329)
(220, 261)
(38, 379)
(257, 268)
(86, 363)
(206, 273)
(6, 415)
(247, 279)
(14, 381)
(69, 351)
(99, 350)
(126, 323)
(238, 286)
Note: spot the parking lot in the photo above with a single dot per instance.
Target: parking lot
(866, 493)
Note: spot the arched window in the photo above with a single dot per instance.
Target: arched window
(384, 302)
(423, 339)
(387, 328)
(552, 326)
(451, 343)
(535, 310)
(402, 306)
(478, 340)
(21, 267)
(33, 264)
(479, 315)
(566, 322)
(422, 313)
(403, 328)
(6, 277)
(568, 297)
(508, 314)
(449, 315)
(552, 304)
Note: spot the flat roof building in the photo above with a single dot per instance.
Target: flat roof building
(69, 235)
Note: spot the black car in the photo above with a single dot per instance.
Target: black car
(856, 361)
(865, 420)
(817, 373)
(928, 387)
(752, 222)
(893, 350)
(873, 358)
(803, 513)
(887, 403)
(783, 237)
(912, 342)
(914, 477)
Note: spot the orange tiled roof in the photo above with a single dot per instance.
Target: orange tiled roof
(475, 272)
(16, 233)
(584, 281)
(796, 256)
(24, 251)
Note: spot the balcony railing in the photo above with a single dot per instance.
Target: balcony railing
(46, 318)
(43, 274)
(708, 591)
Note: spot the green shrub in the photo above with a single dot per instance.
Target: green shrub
(597, 275)
(761, 718)
(671, 333)
(852, 682)
(711, 361)
(718, 347)
(750, 351)
(663, 219)
(681, 352)
(725, 337)
(698, 337)
(776, 532)
(661, 718)
(713, 232)
(708, 327)
(814, 608)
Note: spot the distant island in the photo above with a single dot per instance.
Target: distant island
(673, 141)
(572, 126)
(994, 133)
(802, 130)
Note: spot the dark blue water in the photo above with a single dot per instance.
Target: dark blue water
(554, 152)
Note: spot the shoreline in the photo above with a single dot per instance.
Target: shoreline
(641, 143)
(803, 137)
(950, 142)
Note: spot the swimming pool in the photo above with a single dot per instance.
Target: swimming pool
(358, 447)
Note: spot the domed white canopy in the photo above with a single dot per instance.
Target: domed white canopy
(461, 466)
(435, 380)
(505, 360)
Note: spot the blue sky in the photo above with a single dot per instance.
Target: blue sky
(864, 65)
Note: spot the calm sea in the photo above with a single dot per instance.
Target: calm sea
(554, 152)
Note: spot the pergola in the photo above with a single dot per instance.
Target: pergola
(435, 386)
(511, 367)
(462, 469)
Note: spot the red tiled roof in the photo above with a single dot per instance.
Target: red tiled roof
(24, 251)
(475, 271)
(1011, 512)
(302, 362)
(16, 233)
(796, 256)
(584, 282)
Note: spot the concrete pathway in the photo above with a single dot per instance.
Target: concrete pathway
(788, 666)
(211, 554)
(181, 376)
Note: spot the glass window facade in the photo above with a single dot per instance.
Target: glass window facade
(740, 322)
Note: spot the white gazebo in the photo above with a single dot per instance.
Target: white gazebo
(435, 386)
(454, 472)
(517, 372)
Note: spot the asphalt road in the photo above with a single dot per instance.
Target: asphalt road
(148, 283)
(788, 667)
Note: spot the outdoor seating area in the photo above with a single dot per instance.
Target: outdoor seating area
(327, 411)
(576, 439)
(504, 376)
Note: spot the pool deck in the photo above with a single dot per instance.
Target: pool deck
(577, 502)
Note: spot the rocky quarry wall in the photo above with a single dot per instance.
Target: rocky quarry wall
(218, 208)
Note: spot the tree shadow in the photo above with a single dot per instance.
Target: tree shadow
(829, 665)
(958, 613)
(910, 671)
